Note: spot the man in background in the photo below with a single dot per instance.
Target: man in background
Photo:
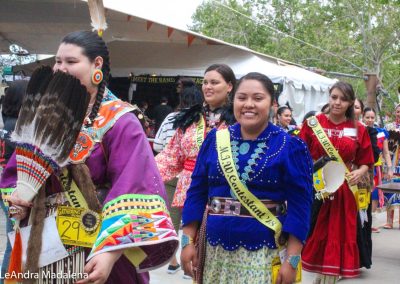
(160, 112)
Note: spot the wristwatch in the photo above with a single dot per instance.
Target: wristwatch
(186, 240)
(293, 260)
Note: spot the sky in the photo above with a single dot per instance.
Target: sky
(175, 13)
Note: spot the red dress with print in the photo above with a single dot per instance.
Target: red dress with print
(332, 248)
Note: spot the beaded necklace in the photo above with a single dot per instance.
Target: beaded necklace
(252, 162)
(243, 149)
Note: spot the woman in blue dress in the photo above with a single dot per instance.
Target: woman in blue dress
(274, 167)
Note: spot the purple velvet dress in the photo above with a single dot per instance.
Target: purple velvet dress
(124, 160)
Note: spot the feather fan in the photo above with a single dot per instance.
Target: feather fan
(97, 16)
(48, 125)
(45, 141)
(36, 87)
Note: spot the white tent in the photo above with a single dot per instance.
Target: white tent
(142, 46)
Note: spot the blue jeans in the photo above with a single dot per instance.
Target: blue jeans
(7, 252)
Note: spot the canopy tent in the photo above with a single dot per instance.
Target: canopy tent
(142, 46)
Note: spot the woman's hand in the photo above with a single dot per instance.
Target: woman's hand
(189, 259)
(99, 267)
(389, 174)
(356, 175)
(286, 275)
(18, 207)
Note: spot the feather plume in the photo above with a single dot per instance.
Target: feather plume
(97, 16)
(394, 140)
(36, 87)
(186, 117)
(44, 143)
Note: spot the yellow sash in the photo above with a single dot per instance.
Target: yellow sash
(200, 131)
(72, 191)
(136, 255)
(71, 220)
(333, 153)
(256, 208)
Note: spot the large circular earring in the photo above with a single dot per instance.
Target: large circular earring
(97, 76)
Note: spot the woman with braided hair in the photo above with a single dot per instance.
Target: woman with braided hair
(113, 169)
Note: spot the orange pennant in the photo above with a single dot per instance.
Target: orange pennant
(190, 39)
(170, 30)
(149, 24)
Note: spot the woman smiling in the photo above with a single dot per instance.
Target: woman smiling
(260, 169)
(284, 115)
(331, 249)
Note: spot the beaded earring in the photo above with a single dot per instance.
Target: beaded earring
(97, 77)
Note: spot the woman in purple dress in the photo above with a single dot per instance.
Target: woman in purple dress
(112, 161)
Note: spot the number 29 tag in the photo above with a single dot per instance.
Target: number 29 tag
(77, 226)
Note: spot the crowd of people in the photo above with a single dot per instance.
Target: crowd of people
(236, 180)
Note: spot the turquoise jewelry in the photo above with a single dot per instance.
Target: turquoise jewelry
(293, 260)
(253, 158)
(186, 240)
(236, 150)
(244, 148)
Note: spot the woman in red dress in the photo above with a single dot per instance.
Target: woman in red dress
(331, 249)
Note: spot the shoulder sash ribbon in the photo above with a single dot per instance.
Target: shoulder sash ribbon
(256, 208)
(330, 149)
(200, 131)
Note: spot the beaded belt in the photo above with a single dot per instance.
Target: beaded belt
(233, 207)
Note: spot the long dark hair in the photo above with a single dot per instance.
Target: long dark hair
(349, 95)
(92, 46)
(186, 82)
(13, 98)
(190, 96)
(226, 72)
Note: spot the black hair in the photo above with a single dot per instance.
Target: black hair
(186, 82)
(264, 80)
(13, 98)
(361, 104)
(141, 104)
(282, 108)
(190, 96)
(164, 99)
(226, 72)
(93, 46)
(367, 109)
(349, 95)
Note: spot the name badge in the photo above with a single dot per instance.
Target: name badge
(77, 226)
(350, 132)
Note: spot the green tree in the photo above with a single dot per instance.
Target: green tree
(352, 37)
